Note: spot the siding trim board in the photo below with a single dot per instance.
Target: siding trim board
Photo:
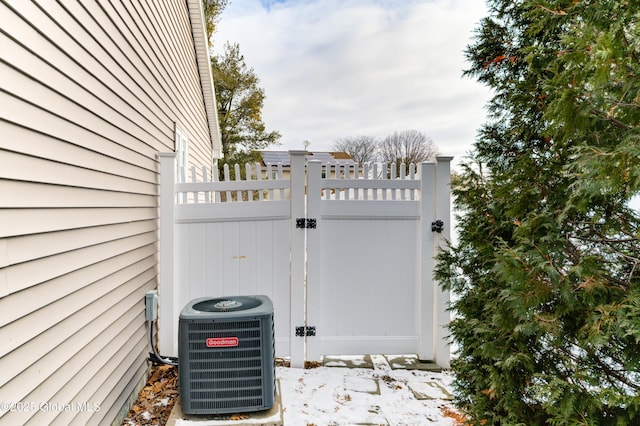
(89, 95)
(199, 31)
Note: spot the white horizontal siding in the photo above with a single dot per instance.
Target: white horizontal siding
(117, 162)
(28, 327)
(90, 92)
(30, 247)
(21, 221)
(21, 167)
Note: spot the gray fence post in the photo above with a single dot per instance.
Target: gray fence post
(443, 213)
(167, 314)
(298, 210)
(315, 260)
(426, 294)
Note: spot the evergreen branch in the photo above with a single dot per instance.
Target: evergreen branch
(608, 240)
(632, 52)
(609, 372)
(605, 116)
(553, 12)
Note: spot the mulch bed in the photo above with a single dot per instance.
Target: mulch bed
(156, 400)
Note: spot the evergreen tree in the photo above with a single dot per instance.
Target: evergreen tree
(240, 100)
(547, 264)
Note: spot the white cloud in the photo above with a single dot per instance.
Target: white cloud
(333, 68)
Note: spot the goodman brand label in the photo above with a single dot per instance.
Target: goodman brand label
(222, 342)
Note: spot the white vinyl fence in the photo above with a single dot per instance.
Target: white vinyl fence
(346, 253)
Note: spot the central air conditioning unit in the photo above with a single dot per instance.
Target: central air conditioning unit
(226, 355)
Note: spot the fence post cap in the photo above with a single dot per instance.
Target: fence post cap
(170, 154)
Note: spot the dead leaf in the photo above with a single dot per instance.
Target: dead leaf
(455, 415)
(491, 393)
(148, 410)
(239, 417)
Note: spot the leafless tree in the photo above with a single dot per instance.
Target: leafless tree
(361, 148)
(409, 146)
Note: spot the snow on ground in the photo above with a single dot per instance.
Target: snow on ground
(358, 390)
(343, 396)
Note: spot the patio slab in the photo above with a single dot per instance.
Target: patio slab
(362, 384)
(411, 362)
(348, 361)
(429, 390)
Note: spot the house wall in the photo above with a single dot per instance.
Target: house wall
(90, 92)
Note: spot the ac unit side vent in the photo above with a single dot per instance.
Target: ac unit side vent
(226, 394)
(226, 355)
(232, 374)
(225, 384)
(232, 406)
(223, 325)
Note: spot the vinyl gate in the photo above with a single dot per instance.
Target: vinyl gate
(345, 253)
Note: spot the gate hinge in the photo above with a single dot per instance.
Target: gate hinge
(304, 223)
(305, 331)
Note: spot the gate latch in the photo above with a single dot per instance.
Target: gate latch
(304, 223)
(437, 226)
(305, 331)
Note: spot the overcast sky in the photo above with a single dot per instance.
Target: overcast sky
(337, 68)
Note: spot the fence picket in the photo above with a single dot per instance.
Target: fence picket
(227, 179)
(281, 177)
(236, 172)
(365, 175)
(248, 171)
(215, 177)
(412, 176)
(270, 175)
(194, 194)
(259, 177)
(357, 193)
(385, 171)
(205, 179)
(403, 176)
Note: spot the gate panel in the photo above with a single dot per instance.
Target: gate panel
(362, 282)
(225, 248)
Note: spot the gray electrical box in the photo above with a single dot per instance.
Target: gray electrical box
(151, 305)
(226, 355)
